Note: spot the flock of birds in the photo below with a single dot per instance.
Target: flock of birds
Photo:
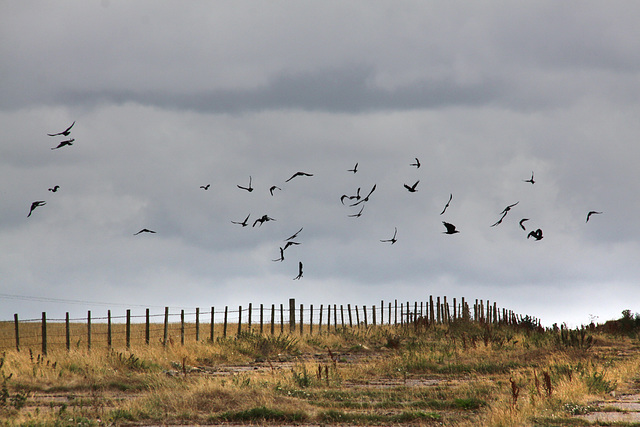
(354, 200)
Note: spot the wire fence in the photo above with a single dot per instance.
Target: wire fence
(200, 325)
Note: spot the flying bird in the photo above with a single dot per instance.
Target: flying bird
(299, 174)
(299, 271)
(281, 256)
(54, 189)
(504, 213)
(243, 223)
(358, 214)
(530, 179)
(354, 170)
(522, 223)
(393, 239)
(294, 235)
(262, 220)
(366, 199)
(35, 205)
(65, 132)
(290, 243)
(416, 164)
(451, 229)
(206, 187)
(447, 205)
(412, 189)
(344, 196)
(592, 213)
(144, 230)
(274, 187)
(249, 188)
(63, 143)
(535, 234)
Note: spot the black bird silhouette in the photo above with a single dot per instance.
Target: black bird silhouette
(451, 229)
(447, 205)
(54, 189)
(504, 213)
(344, 196)
(243, 223)
(206, 187)
(281, 256)
(393, 239)
(249, 188)
(65, 132)
(358, 214)
(63, 143)
(299, 271)
(299, 174)
(530, 180)
(365, 199)
(262, 220)
(354, 170)
(144, 230)
(592, 213)
(535, 234)
(294, 235)
(412, 189)
(416, 164)
(522, 223)
(35, 205)
(290, 243)
(274, 187)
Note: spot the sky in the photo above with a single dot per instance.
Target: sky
(170, 96)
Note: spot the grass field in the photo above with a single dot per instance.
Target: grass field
(464, 373)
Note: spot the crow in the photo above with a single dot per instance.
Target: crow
(243, 223)
(416, 164)
(358, 214)
(451, 229)
(206, 187)
(530, 180)
(249, 188)
(366, 199)
(535, 234)
(412, 189)
(274, 187)
(262, 220)
(299, 271)
(521, 223)
(63, 143)
(299, 174)
(65, 132)
(592, 213)
(144, 230)
(393, 239)
(354, 170)
(294, 235)
(54, 189)
(35, 205)
(447, 205)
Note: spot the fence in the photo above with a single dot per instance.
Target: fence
(111, 331)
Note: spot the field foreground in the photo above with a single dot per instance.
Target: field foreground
(464, 373)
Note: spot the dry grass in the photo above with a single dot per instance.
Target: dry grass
(460, 374)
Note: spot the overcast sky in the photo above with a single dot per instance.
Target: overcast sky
(170, 96)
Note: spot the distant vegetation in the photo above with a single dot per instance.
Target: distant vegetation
(463, 373)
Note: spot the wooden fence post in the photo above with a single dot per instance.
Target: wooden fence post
(17, 331)
(213, 322)
(44, 333)
(328, 318)
(166, 326)
(281, 319)
(381, 312)
(89, 330)
(109, 338)
(197, 324)
(395, 317)
(239, 320)
(224, 325)
(389, 322)
(357, 317)
(182, 327)
(301, 320)
(67, 331)
(249, 319)
(320, 321)
(431, 313)
(364, 310)
(349, 312)
(128, 330)
(261, 318)
(147, 327)
(335, 317)
(373, 311)
(311, 319)
(273, 319)
(342, 315)
(292, 315)
(455, 313)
